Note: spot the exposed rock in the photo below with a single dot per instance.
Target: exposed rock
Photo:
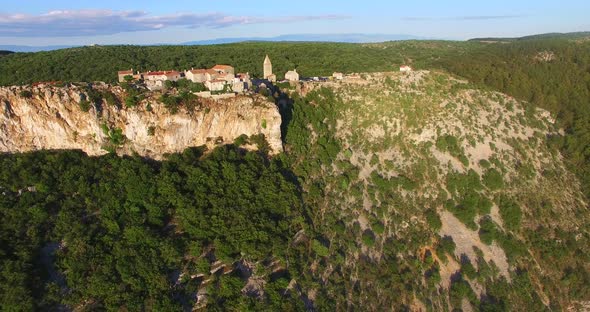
(545, 56)
(466, 239)
(52, 119)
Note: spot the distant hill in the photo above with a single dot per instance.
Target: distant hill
(572, 35)
(3, 52)
(345, 38)
(23, 48)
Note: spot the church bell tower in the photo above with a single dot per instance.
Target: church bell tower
(268, 69)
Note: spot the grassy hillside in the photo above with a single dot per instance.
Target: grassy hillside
(429, 193)
(553, 74)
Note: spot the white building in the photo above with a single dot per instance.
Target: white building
(198, 75)
(241, 82)
(171, 75)
(223, 69)
(338, 76)
(292, 75)
(215, 84)
(124, 73)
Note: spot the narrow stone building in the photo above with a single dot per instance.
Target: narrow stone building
(267, 70)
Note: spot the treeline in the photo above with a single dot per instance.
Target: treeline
(128, 233)
(101, 63)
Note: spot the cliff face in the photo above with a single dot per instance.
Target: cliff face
(51, 118)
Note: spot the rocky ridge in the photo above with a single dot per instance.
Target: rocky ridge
(50, 117)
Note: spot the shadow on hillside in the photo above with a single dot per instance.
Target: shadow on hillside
(283, 102)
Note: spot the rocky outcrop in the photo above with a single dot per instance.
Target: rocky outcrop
(51, 118)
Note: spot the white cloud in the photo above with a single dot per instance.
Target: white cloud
(71, 23)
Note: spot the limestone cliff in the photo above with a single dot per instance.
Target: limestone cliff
(48, 117)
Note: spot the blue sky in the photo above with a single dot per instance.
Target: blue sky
(36, 22)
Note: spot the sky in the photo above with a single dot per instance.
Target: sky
(81, 22)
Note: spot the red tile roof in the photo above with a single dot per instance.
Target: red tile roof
(199, 71)
(125, 72)
(222, 67)
(160, 73)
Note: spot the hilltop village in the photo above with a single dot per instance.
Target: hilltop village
(223, 79)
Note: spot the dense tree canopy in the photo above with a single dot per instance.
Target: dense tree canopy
(121, 229)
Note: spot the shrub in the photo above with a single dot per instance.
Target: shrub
(111, 99)
(368, 238)
(319, 248)
(493, 179)
(189, 100)
(26, 94)
(151, 131)
(459, 290)
(445, 245)
(84, 105)
(487, 230)
(170, 102)
(467, 268)
(115, 136)
(485, 205)
(378, 228)
(241, 140)
(433, 219)
(131, 101)
(510, 212)
(260, 141)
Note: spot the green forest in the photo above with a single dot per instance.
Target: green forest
(128, 233)
(133, 226)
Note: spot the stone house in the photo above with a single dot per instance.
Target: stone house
(224, 69)
(171, 75)
(239, 86)
(292, 75)
(196, 75)
(226, 77)
(245, 78)
(241, 82)
(215, 84)
(338, 76)
(124, 73)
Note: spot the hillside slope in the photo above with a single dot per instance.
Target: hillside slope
(395, 191)
(426, 192)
